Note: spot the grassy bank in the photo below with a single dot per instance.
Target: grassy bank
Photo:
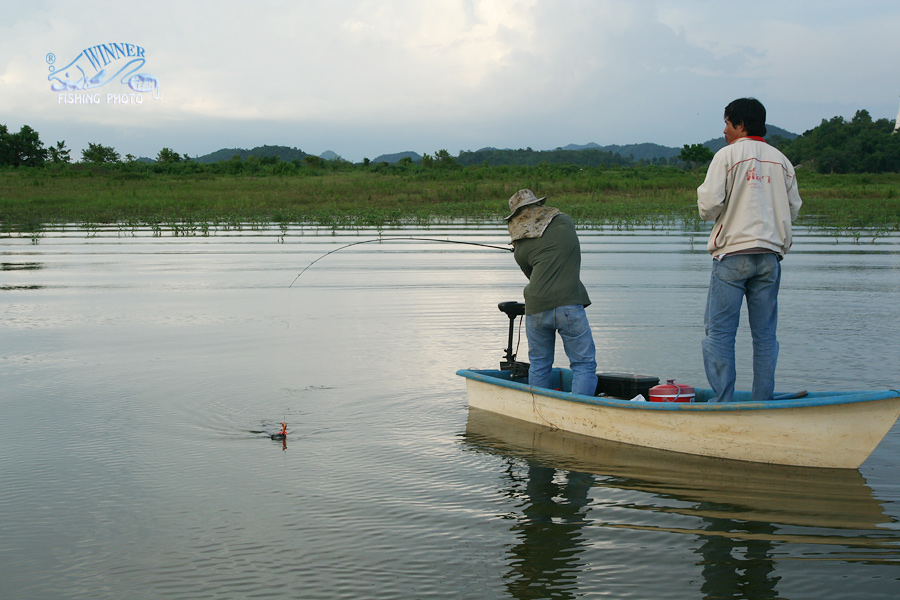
(31, 198)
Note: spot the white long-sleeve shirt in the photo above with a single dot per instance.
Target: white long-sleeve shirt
(751, 193)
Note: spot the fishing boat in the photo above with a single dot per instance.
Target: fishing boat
(815, 429)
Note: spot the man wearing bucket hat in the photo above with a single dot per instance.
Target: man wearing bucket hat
(751, 192)
(548, 252)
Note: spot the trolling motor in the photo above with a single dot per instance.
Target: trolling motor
(519, 369)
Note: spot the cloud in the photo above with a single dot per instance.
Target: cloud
(386, 75)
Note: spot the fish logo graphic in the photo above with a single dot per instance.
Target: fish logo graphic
(101, 64)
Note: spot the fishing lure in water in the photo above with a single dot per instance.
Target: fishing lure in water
(399, 237)
(281, 435)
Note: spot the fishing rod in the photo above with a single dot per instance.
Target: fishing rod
(398, 237)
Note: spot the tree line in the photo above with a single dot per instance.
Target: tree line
(589, 157)
(860, 145)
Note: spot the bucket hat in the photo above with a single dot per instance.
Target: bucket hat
(520, 199)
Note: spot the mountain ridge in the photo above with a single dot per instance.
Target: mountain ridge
(646, 151)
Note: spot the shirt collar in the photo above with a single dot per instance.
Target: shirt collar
(751, 137)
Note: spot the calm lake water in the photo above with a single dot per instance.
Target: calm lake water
(141, 377)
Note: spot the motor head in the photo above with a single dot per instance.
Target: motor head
(512, 308)
(520, 369)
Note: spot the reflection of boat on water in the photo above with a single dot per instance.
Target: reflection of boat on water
(579, 499)
(714, 488)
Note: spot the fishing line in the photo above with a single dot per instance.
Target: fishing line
(399, 237)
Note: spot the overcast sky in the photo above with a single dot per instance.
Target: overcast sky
(367, 77)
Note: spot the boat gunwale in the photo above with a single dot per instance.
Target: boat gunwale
(489, 376)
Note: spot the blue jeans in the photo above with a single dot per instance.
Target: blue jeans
(573, 327)
(758, 277)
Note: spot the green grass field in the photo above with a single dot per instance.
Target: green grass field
(34, 198)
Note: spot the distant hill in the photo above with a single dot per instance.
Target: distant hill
(395, 158)
(281, 152)
(771, 131)
(649, 151)
(645, 151)
(591, 154)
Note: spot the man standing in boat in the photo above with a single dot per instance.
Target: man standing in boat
(751, 193)
(547, 249)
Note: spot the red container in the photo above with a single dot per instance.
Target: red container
(672, 392)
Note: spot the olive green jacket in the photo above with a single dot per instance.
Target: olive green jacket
(552, 264)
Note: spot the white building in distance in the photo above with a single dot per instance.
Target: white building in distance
(897, 122)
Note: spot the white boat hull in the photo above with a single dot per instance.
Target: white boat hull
(836, 431)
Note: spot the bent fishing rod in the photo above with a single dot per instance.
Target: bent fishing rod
(398, 237)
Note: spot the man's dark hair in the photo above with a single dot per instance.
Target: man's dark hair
(748, 112)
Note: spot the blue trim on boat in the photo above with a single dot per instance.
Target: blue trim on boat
(504, 379)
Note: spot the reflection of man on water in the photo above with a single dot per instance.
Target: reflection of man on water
(625, 511)
(545, 561)
(725, 573)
